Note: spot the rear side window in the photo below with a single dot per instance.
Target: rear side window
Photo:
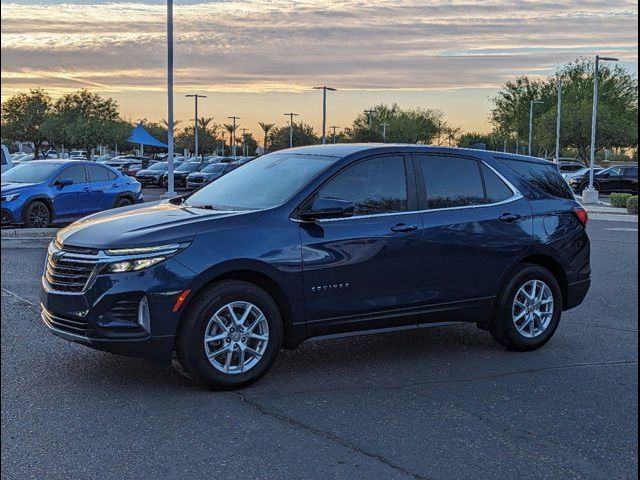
(497, 190)
(452, 182)
(100, 174)
(378, 185)
(544, 177)
(631, 172)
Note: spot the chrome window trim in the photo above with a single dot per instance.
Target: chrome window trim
(516, 196)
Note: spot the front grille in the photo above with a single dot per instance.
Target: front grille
(70, 269)
(196, 180)
(73, 325)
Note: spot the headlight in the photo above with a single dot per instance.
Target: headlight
(134, 265)
(168, 249)
(139, 258)
(10, 197)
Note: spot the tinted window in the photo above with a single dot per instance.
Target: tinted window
(452, 182)
(613, 171)
(75, 173)
(543, 176)
(161, 167)
(497, 190)
(375, 186)
(99, 174)
(631, 172)
(263, 183)
(570, 167)
(189, 167)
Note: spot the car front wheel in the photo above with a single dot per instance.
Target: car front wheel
(230, 336)
(37, 215)
(528, 311)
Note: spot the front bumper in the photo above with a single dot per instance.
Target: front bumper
(7, 217)
(11, 212)
(107, 314)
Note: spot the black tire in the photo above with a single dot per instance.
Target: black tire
(503, 328)
(585, 185)
(190, 347)
(123, 202)
(164, 182)
(37, 215)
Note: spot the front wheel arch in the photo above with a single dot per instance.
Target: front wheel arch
(44, 199)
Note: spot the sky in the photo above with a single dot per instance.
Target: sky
(258, 59)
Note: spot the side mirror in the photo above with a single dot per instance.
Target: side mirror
(329, 208)
(64, 182)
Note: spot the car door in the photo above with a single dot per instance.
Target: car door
(70, 201)
(474, 225)
(368, 263)
(610, 180)
(101, 184)
(630, 179)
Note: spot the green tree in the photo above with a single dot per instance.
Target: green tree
(303, 134)
(266, 128)
(492, 140)
(23, 117)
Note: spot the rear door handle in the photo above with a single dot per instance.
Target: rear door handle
(509, 217)
(403, 227)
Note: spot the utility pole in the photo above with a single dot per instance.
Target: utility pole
(531, 104)
(590, 195)
(324, 89)
(558, 115)
(334, 127)
(384, 131)
(170, 183)
(291, 115)
(233, 136)
(196, 96)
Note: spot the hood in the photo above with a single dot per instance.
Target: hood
(150, 172)
(148, 224)
(9, 187)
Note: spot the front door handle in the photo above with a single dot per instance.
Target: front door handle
(403, 228)
(509, 217)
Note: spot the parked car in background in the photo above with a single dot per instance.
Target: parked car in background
(128, 166)
(570, 166)
(39, 193)
(620, 178)
(24, 158)
(7, 162)
(79, 154)
(325, 240)
(152, 176)
(208, 174)
(580, 173)
(181, 173)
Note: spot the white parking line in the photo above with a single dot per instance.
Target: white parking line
(621, 229)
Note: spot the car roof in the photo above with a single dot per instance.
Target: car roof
(346, 149)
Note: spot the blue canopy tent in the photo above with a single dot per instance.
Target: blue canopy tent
(140, 136)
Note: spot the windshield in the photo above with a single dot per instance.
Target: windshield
(215, 168)
(161, 166)
(263, 183)
(188, 167)
(35, 172)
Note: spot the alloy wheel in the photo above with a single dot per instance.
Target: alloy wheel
(38, 216)
(533, 308)
(236, 338)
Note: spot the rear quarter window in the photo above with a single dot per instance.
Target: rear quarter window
(542, 176)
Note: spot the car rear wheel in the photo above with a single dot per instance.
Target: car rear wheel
(528, 312)
(230, 335)
(37, 215)
(585, 185)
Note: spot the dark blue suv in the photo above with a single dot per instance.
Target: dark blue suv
(323, 241)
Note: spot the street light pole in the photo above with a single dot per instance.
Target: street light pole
(369, 113)
(558, 116)
(324, 89)
(195, 96)
(170, 183)
(384, 131)
(233, 136)
(334, 127)
(531, 104)
(291, 115)
(244, 142)
(590, 195)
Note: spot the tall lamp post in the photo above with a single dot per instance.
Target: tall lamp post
(233, 135)
(324, 89)
(334, 127)
(244, 142)
(531, 104)
(384, 131)
(590, 195)
(196, 96)
(291, 115)
(558, 116)
(170, 183)
(369, 115)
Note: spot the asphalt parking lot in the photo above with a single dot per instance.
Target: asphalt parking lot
(440, 403)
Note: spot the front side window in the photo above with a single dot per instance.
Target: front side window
(375, 186)
(75, 173)
(613, 172)
(452, 182)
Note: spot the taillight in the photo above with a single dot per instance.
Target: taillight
(582, 214)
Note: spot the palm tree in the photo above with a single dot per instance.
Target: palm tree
(232, 130)
(266, 127)
(204, 122)
(175, 124)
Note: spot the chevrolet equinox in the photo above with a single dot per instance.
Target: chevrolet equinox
(323, 241)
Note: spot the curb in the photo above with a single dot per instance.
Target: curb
(26, 233)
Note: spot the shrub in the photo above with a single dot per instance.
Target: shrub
(619, 200)
(632, 205)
